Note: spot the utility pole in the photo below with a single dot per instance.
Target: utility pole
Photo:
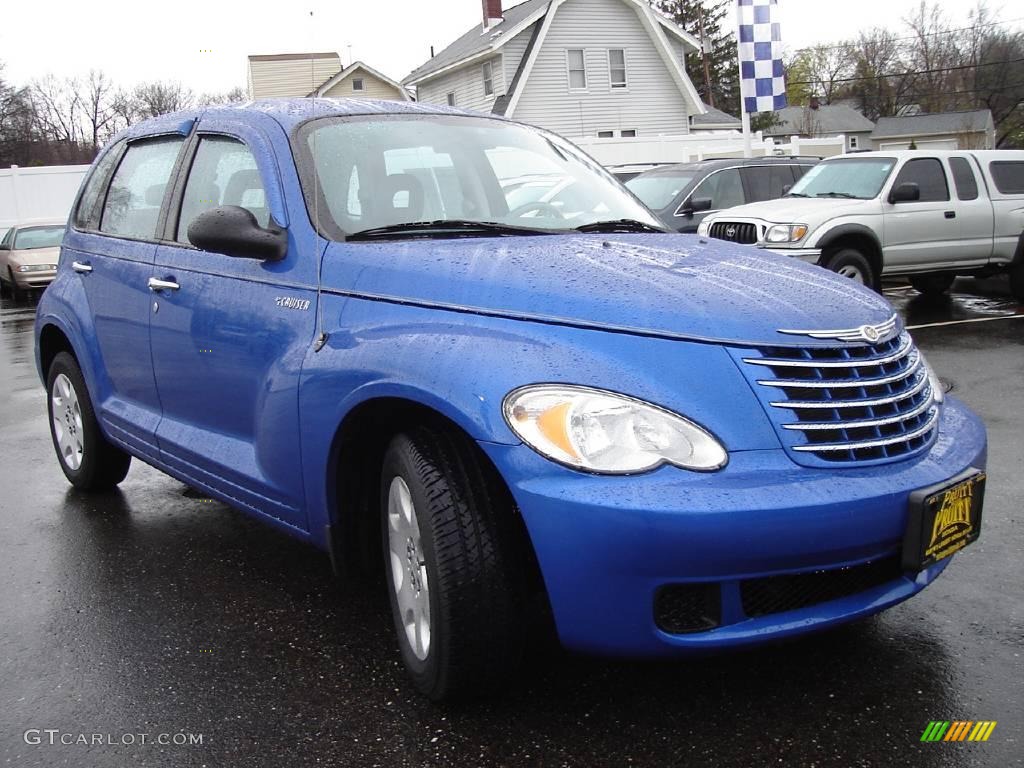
(704, 57)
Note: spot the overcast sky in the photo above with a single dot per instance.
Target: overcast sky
(204, 43)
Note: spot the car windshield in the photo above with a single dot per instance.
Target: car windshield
(657, 190)
(860, 178)
(38, 237)
(387, 172)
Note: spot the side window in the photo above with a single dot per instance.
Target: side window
(5, 244)
(963, 178)
(132, 207)
(766, 182)
(928, 174)
(1008, 176)
(724, 188)
(223, 172)
(85, 213)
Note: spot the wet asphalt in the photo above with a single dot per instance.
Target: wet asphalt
(152, 611)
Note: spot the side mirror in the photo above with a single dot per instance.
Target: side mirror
(696, 205)
(907, 192)
(234, 231)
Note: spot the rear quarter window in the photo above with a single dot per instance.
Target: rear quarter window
(1008, 176)
(87, 214)
(963, 178)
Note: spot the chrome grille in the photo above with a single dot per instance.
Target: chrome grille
(848, 403)
(734, 232)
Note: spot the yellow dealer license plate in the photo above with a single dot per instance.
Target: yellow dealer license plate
(943, 519)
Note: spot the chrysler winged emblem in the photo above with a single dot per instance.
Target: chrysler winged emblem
(871, 334)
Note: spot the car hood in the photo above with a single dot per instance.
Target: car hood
(674, 286)
(36, 256)
(794, 209)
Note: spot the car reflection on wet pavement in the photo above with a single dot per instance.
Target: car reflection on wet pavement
(154, 610)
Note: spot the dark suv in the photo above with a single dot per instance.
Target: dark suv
(682, 195)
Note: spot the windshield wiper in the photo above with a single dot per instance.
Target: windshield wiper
(620, 225)
(445, 226)
(795, 194)
(845, 195)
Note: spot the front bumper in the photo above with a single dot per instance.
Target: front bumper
(810, 255)
(606, 545)
(33, 281)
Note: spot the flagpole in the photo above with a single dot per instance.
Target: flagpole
(748, 150)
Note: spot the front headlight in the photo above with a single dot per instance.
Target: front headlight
(36, 267)
(607, 433)
(785, 233)
(704, 227)
(938, 393)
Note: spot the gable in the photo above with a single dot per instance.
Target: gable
(373, 87)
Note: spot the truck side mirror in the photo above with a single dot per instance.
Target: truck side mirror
(907, 192)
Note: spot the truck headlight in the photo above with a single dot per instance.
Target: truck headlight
(785, 233)
(607, 433)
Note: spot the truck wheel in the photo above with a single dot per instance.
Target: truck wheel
(455, 581)
(932, 285)
(89, 462)
(1017, 281)
(851, 263)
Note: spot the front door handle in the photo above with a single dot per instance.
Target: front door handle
(82, 267)
(950, 214)
(162, 285)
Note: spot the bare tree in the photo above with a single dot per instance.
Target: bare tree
(96, 95)
(882, 88)
(57, 109)
(822, 70)
(159, 98)
(232, 96)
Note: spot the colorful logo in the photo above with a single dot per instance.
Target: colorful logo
(958, 730)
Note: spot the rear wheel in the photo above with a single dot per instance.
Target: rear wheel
(454, 574)
(851, 263)
(88, 461)
(932, 285)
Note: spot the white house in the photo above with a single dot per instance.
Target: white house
(306, 74)
(582, 68)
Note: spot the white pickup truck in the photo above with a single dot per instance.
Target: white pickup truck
(927, 215)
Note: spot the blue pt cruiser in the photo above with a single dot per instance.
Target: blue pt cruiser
(454, 351)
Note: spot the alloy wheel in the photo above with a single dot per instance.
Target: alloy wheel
(408, 568)
(67, 422)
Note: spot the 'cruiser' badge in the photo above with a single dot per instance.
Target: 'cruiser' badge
(291, 303)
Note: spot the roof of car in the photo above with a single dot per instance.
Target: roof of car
(291, 112)
(729, 162)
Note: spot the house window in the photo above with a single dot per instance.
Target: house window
(577, 69)
(617, 67)
(488, 79)
(451, 99)
(605, 134)
(628, 134)
(853, 142)
(357, 84)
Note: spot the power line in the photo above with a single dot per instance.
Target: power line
(906, 74)
(841, 46)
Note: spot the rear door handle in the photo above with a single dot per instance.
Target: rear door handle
(162, 285)
(950, 214)
(82, 267)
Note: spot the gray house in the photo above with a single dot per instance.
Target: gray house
(816, 121)
(597, 68)
(938, 130)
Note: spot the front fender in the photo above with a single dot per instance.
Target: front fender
(462, 365)
(832, 231)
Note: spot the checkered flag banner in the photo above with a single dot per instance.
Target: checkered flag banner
(762, 79)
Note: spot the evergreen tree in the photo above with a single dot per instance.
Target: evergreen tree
(720, 40)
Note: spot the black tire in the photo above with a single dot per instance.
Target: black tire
(470, 549)
(16, 292)
(102, 465)
(1017, 281)
(934, 284)
(853, 264)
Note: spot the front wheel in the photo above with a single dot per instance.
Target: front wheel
(851, 263)
(88, 461)
(453, 575)
(932, 285)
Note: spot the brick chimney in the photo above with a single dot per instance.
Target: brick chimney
(492, 13)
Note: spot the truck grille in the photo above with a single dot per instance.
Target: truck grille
(734, 232)
(849, 403)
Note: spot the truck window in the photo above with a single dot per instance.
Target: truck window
(928, 174)
(963, 178)
(724, 188)
(1008, 176)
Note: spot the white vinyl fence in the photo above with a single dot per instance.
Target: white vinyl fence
(657, 150)
(38, 194)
